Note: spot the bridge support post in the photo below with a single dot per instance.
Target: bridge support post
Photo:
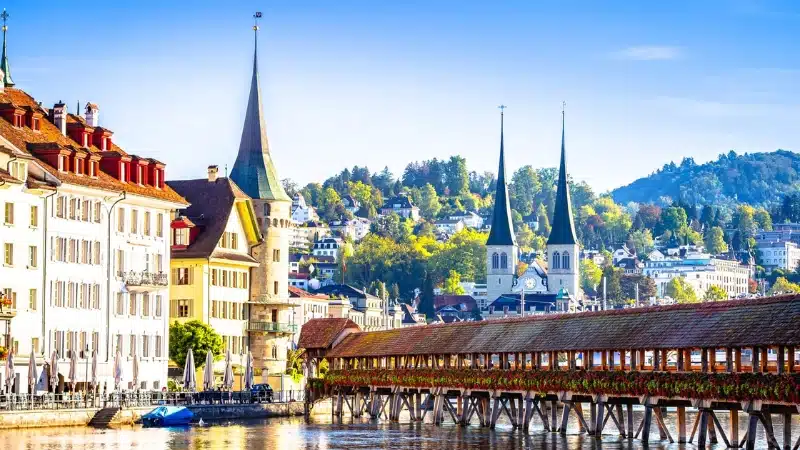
(554, 416)
(487, 411)
(648, 418)
(495, 411)
(787, 429)
(681, 424)
(357, 404)
(526, 420)
(418, 406)
(630, 421)
(733, 427)
(599, 422)
(593, 418)
(621, 419)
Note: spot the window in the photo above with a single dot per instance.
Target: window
(33, 300)
(159, 224)
(96, 341)
(147, 223)
(9, 294)
(180, 236)
(60, 206)
(181, 308)
(214, 277)
(266, 209)
(86, 253)
(96, 258)
(276, 255)
(132, 304)
(145, 346)
(503, 260)
(134, 221)
(34, 216)
(97, 206)
(119, 344)
(158, 347)
(145, 305)
(159, 263)
(8, 254)
(275, 288)
(234, 241)
(61, 163)
(182, 276)
(157, 308)
(33, 257)
(123, 172)
(120, 305)
(565, 261)
(556, 261)
(73, 208)
(121, 220)
(86, 211)
(9, 214)
(96, 297)
(495, 261)
(132, 349)
(120, 261)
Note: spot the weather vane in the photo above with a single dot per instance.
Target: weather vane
(256, 16)
(502, 108)
(4, 16)
(563, 107)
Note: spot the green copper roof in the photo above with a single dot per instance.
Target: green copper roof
(254, 171)
(502, 232)
(7, 81)
(563, 229)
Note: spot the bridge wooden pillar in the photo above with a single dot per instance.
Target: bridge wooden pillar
(781, 359)
(790, 360)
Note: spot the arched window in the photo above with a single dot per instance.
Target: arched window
(266, 209)
(565, 261)
(495, 260)
(275, 352)
(556, 260)
(503, 261)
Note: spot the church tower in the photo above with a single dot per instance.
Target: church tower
(270, 325)
(501, 246)
(562, 247)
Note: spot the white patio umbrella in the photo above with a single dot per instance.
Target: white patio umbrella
(32, 375)
(135, 370)
(54, 370)
(248, 372)
(189, 375)
(117, 370)
(10, 371)
(73, 368)
(227, 378)
(208, 372)
(94, 370)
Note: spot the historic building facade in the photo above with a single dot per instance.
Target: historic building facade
(270, 325)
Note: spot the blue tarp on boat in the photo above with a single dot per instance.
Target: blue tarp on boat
(166, 416)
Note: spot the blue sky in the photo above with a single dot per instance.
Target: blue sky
(384, 83)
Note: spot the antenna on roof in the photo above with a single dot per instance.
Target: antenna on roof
(78, 110)
(226, 171)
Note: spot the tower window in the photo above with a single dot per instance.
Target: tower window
(495, 260)
(556, 260)
(565, 261)
(503, 261)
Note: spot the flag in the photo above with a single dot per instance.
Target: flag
(258, 15)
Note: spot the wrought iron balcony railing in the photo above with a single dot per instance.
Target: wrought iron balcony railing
(133, 278)
(272, 327)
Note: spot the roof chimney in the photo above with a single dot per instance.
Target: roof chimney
(60, 117)
(212, 173)
(92, 115)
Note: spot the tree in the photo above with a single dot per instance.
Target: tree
(289, 186)
(681, 291)
(715, 241)
(763, 219)
(524, 237)
(426, 304)
(674, 219)
(294, 364)
(784, 286)
(452, 284)
(524, 186)
(196, 335)
(642, 241)
(590, 275)
(628, 284)
(613, 287)
(456, 178)
(714, 293)
(428, 202)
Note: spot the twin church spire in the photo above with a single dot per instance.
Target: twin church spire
(563, 227)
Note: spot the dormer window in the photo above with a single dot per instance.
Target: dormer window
(157, 178)
(62, 162)
(93, 169)
(123, 172)
(85, 140)
(180, 236)
(140, 175)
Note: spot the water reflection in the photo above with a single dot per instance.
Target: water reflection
(321, 433)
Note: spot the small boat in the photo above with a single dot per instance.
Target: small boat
(167, 416)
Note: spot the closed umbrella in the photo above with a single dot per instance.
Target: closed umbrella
(248, 372)
(54, 370)
(32, 375)
(73, 368)
(208, 372)
(189, 375)
(135, 370)
(227, 378)
(94, 370)
(10, 371)
(117, 370)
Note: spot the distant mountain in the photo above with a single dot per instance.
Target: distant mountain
(760, 179)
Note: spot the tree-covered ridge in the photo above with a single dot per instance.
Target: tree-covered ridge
(758, 179)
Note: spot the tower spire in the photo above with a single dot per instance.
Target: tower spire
(254, 170)
(7, 81)
(563, 227)
(502, 232)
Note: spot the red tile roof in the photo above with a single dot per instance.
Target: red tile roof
(22, 137)
(322, 333)
(300, 293)
(733, 323)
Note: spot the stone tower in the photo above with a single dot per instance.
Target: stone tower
(271, 324)
(562, 247)
(501, 246)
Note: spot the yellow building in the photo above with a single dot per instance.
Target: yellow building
(211, 258)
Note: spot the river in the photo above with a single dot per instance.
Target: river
(324, 434)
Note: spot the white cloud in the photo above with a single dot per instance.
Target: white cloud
(649, 53)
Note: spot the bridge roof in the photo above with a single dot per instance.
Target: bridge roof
(734, 323)
(322, 333)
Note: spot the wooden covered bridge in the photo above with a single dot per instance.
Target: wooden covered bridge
(732, 357)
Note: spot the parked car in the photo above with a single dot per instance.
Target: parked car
(261, 393)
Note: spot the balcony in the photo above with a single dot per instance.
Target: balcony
(143, 281)
(272, 327)
(289, 302)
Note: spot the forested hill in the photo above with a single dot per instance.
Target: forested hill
(759, 179)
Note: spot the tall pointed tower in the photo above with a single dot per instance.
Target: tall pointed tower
(501, 246)
(6, 75)
(562, 247)
(270, 326)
